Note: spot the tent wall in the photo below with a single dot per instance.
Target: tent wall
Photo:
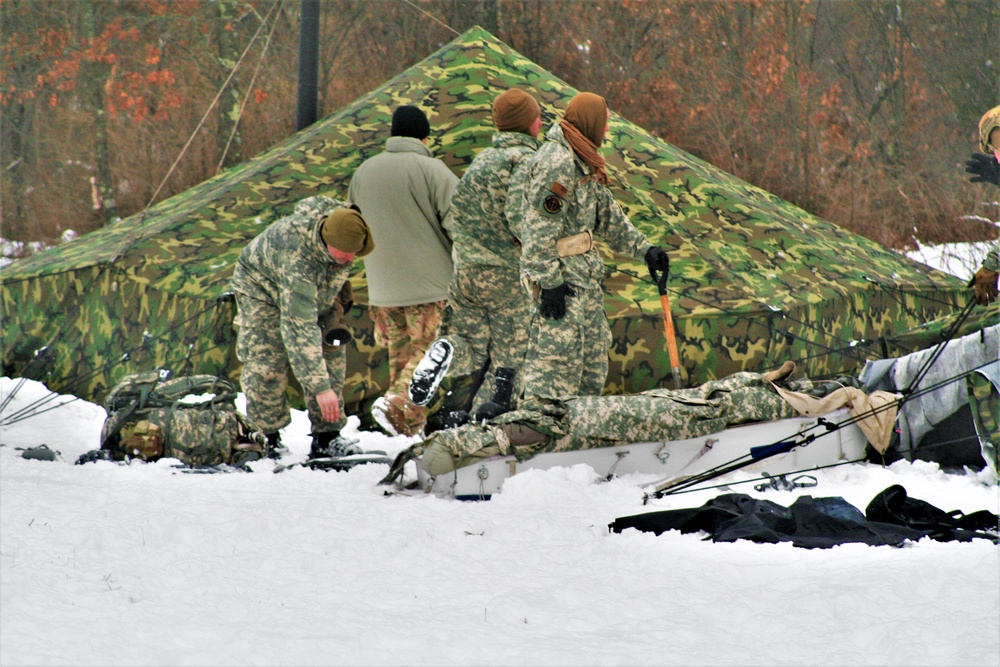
(825, 339)
(754, 281)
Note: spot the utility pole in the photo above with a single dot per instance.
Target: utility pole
(308, 64)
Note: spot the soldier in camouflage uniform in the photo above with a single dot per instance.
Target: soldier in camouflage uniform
(489, 310)
(288, 283)
(405, 193)
(984, 399)
(986, 169)
(562, 203)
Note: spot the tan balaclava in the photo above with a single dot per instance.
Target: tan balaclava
(589, 114)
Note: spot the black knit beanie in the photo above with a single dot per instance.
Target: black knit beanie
(409, 121)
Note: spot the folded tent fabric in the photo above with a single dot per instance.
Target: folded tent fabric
(875, 412)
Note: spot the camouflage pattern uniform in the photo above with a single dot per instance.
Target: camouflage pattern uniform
(490, 311)
(286, 287)
(590, 422)
(406, 332)
(567, 357)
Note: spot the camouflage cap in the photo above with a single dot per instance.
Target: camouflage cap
(346, 230)
(989, 122)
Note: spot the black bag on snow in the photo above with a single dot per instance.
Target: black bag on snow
(894, 506)
(890, 519)
(191, 418)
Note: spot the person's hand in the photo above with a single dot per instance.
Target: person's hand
(984, 286)
(657, 261)
(329, 405)
(552, 302)
(984, 169)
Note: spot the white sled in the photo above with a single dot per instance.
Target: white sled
(672, 459)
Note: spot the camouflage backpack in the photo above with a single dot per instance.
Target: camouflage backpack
(190, 418)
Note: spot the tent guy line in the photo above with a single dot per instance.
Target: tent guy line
(31, 410)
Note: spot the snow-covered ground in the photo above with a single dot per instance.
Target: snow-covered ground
(108, 564)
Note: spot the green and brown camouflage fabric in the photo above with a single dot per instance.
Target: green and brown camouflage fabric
(944, 328)
(406, 332)
(754, 280)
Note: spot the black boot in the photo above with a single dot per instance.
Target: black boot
(503, 391)
(274, 446)
(332, 445)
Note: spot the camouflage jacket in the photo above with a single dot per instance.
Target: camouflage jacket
(479, 224)
(289, 267)
(555, 197)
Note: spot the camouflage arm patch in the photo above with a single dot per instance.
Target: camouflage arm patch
(301, 301)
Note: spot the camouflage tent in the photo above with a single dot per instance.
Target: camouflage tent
(755, 280)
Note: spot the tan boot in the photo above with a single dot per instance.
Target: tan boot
(786, 369)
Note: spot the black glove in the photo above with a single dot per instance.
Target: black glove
(552, 304)
(984, 169)
(657, 261)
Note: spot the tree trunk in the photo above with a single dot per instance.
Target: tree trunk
(228, 140)
(93, 76)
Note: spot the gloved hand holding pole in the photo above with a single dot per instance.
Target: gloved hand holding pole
(659, 272)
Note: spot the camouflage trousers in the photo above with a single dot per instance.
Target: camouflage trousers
(589, 422)
(264, 376)
(569, 357)
(489, 313)
(984, 399)
(407, 332)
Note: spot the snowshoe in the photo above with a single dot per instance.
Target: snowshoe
(339, 463)
(429, 373)
(333, 445)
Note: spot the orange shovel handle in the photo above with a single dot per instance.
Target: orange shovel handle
(668, 328)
